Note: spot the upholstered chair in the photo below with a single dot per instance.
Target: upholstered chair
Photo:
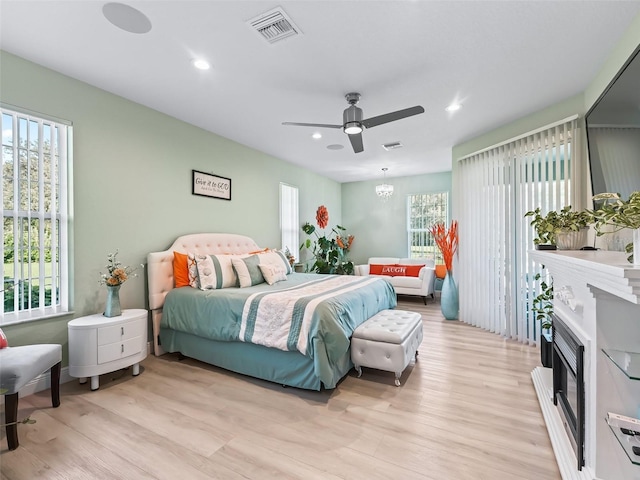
(19, 366)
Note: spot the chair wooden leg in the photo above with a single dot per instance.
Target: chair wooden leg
(55, 384)
(10, 418)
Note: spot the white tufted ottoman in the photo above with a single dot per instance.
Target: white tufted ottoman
(387, 341)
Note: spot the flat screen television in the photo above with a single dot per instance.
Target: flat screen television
(613, 133)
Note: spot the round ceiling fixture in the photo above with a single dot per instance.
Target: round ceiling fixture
(201, 64)
(335, 146)
(126, 18)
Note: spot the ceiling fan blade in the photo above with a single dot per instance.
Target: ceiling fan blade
(356, 142)
(322, 125)
(393, 116)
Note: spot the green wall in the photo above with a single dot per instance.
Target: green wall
(132, 185)
(380, 227)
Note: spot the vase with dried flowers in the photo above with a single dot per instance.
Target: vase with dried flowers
(330, 252)
(116, 275)
(447, 242)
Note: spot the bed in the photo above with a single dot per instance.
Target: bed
(242, 329)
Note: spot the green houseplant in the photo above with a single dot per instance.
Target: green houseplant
(567, 228)
(542, 307)
(614, 212)
(330, 252)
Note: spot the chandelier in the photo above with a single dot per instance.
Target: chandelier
(384, 190)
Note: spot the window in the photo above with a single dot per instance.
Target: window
(424, 210)
(35, 159)
(289, 222)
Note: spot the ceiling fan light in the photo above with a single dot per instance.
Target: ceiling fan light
(352, 128)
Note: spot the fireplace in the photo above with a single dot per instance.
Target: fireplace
(568, 384)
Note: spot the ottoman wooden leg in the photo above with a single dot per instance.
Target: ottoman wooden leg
(359, 370)
(55, 384)
(398, 375)
(10, 418)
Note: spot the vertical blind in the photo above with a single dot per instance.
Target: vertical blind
(495, 188)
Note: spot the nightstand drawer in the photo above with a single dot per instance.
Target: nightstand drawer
(119, 333)
(114, 351)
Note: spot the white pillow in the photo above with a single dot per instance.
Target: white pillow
(215, 272)
(247, 270)
(273, 273)
(275, 257)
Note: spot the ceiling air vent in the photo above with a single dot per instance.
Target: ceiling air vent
(274, 25)
(392, 146)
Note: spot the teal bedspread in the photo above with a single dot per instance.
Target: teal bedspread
(323, 334)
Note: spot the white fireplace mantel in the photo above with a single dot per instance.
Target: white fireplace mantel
(597, 294)
(608, 271)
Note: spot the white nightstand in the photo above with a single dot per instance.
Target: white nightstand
(98, 344)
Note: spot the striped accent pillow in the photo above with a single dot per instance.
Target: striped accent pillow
(215, 272)
(248, 271)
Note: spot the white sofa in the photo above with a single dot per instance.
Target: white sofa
(422, 285)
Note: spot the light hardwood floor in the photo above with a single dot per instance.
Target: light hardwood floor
(466, 410)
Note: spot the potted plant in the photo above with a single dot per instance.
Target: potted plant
(566, 229)
(542, 307)
(330, 253)
(617, 213)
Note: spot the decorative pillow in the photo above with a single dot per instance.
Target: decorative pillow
(193, 271)
(441, 271)
(375, 269)
(181, 270)
(248, 271)
(397, 270)
(264, 250)
(411, 270)
(272, 273)
(215, 271)
(276, 257)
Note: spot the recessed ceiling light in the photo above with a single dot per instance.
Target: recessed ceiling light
(317, 135)
(453, 107)
(126, 18)
(335, 146)
(201, 64)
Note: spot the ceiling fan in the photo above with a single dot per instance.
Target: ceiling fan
(353, 123)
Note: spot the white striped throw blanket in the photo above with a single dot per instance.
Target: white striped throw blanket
(283, 319)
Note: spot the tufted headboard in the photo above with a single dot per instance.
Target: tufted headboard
(160, 266)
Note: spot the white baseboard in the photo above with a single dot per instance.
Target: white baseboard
(41, 382)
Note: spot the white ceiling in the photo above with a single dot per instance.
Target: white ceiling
(501, 59)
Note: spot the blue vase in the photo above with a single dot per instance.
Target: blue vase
(112, 307)
(449, 297)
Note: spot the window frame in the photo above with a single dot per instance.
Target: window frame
(290, 219)
(56, 214)
(428, 243)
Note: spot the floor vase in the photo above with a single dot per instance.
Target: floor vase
(449, 303)
(112, 307)
(636, 247)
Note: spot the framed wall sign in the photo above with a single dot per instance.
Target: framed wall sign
(208, 185)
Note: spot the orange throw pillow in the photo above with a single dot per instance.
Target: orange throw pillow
(375, 269)
(411, 270)
(180, 270)
(441, 271)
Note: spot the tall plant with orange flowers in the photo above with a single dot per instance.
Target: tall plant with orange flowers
(329, 252)
(447, 241)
